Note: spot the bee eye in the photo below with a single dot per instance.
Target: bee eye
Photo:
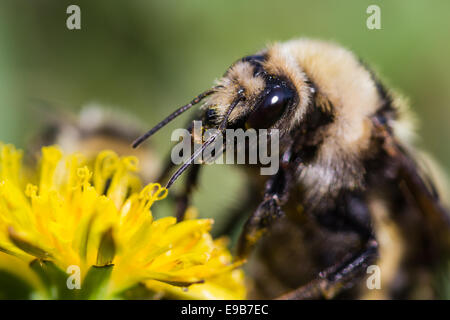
(271, 108)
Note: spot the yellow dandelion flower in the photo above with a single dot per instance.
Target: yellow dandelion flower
(72, 231)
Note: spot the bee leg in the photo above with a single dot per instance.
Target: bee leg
(338, 277)
(268, 211)
(276, 194)
(183, 200)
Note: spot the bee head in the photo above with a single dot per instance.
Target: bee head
(268, 96)
(264, 91)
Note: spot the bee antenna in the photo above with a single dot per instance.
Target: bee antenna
(204, 145)
(172, 116)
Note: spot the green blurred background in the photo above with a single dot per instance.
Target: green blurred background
(148, 57)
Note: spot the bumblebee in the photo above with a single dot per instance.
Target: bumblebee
(351, 190)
